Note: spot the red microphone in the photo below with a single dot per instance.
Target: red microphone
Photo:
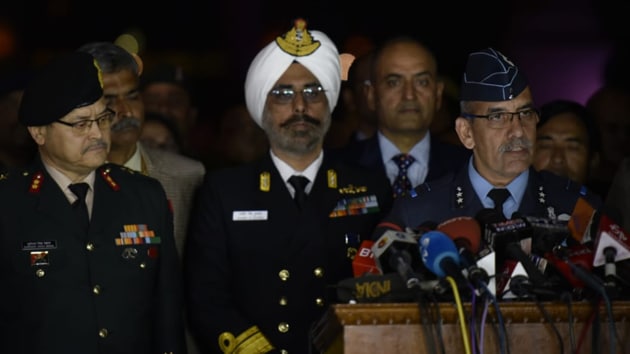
(363, 262)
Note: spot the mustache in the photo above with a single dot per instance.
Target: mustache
(100, 144)
(301, 118)
(126, 122)
(517, 143)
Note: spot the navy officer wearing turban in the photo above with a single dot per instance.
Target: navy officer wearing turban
(498, 123)
(264, 253)
(84, 270)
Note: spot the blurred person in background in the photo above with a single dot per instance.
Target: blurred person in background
(16, 146)
(168, 90)
(567, 140)
(610, 107)
(160, 132)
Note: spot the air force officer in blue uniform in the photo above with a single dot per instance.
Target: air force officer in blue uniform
(498, 123)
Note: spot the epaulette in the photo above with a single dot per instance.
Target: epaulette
(105, 173)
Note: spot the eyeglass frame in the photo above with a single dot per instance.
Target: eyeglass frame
(83, 126)
(316, 90)
(504, 121)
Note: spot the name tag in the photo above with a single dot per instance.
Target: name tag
(249, 215)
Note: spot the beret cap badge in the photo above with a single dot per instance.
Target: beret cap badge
(298, 41)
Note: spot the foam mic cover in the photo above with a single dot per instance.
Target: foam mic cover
(466, 234)
(439, 254)
(363, 262)
(464, 231)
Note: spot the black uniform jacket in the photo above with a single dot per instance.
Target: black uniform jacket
(547, 195)
(115, 290)
(444, 158)
(254, 260)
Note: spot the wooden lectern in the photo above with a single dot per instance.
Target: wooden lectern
(396, 328)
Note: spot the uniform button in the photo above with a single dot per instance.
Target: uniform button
(40, 273)
(283, 327)
(283, 301)
(284, 351)
(319, 301)
(284, 275)
(89, 246)
(143, 265)
(319, 272)
(103, 333)
(96, 289)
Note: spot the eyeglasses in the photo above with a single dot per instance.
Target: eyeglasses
(83, 126)
(501, 120)
(310, 94)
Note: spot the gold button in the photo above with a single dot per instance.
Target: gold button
(319, 301)
(284, 351)
(319, 272)
(143, 265)
(283, 327)
(89, 246)
(283, 301)
(103, 333)
(40, 273)
(284, 275)
(96, 289)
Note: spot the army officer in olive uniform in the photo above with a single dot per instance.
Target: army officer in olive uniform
(263, 258)
(92, 274)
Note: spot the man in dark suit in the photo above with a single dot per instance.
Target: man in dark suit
(261, 266)
(498, 123)
(405, 92)
(92, 274)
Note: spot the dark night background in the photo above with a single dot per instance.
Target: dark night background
(564, 46)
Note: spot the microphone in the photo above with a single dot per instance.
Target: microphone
(363, 262)
(466, 235)
(439, 254)
(574, 263)
(610, 247)
(511, 240)
(396, 251)
(581, 220)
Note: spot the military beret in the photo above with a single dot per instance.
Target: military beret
(68, 82)
(491, 76)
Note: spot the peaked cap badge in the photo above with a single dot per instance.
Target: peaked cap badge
(298, 41)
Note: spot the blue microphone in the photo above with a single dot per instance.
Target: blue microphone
(439, 254)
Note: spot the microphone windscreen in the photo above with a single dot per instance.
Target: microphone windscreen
(463, 227)
(435, 247)
(581, 220)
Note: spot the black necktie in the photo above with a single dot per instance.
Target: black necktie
(402, 184)
(499, 196)
(79, 206)
(299, 183)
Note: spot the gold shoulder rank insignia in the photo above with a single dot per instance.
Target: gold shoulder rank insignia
(331, 177)
(36, 182)
(265, 181)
